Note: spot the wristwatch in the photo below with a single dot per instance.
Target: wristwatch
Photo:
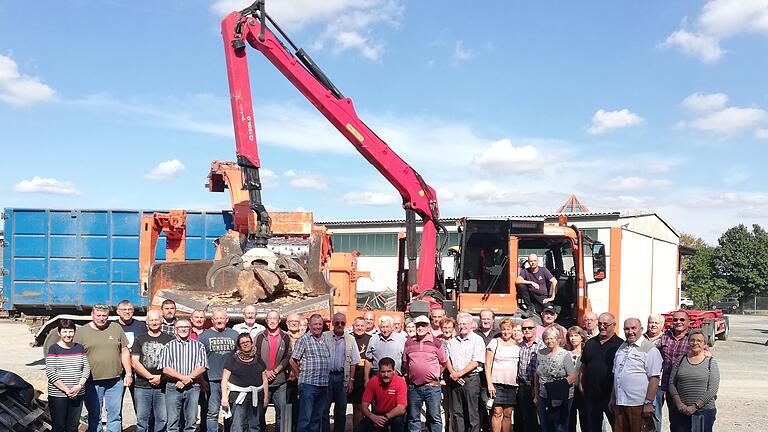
(649, 402)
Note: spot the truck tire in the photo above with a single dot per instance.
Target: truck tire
(709, 333)
(724, 334)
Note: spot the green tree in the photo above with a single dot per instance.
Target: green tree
(741, 259)
(698, 281)
(693, 242)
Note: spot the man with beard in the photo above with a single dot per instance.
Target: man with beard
(168, 307)
(149, 394)
(107, 349)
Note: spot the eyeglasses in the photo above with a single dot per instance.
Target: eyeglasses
(527, 328)
(339, 323)
(292, 322)
(678, 319)
(599, 324)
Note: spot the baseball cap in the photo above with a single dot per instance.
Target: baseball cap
(549, 307)
(421, 319)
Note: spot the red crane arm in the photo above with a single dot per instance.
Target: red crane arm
(249, 26)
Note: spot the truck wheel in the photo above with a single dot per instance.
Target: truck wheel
(709, 333)
(724, 334)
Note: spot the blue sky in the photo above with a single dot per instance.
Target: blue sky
(503, 107)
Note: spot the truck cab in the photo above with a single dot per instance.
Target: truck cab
(493, 251)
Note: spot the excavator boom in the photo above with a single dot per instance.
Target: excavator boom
(249, 27)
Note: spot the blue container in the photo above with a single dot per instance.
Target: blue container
(58, 261)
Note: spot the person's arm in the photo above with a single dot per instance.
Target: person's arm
(581, 374)
(295, 366)
(266, 389)
(367, 370)
(225, 389)
(552, 290)
(672, 388)
(172, 373)
(285, 361)
(650, 395)
(125, 359)
(351, 382)
(536, 388)
(53, 376)
(397, 411)
(713, 384)
(472, 365)
(488, 370)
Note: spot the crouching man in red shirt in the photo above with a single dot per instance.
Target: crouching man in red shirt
(389, 395)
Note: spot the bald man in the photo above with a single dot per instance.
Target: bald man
(220, 342)
(150, 386)
(532, 286)
(249, 324)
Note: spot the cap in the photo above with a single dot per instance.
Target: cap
(549, 307)
(421, 319)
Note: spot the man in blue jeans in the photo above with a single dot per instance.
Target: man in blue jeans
(183, 362)
(423, 359)
(311, 361)
(107, 349)
(149, 395)
(344, 359)
(220, 343)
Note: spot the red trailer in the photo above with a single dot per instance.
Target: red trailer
(714, 324)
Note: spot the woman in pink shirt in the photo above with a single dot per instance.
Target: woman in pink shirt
(501, 359)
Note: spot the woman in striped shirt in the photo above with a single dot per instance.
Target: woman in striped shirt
(67, 368)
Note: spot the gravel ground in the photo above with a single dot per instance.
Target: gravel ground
(742, 401)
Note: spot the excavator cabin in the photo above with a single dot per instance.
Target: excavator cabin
(493, 251)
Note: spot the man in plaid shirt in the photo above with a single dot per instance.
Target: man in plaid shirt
(311, 361)
(673, 344)
(525, 412)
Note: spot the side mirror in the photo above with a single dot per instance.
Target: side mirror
(598, 261)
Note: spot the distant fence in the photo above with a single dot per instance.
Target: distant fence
(754, 305)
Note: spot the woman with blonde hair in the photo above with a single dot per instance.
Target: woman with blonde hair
(501, 359)
(553, 382)
(575, 338)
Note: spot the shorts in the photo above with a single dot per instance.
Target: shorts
(506, 395)
(356, 396)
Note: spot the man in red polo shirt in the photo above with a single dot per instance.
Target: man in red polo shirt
(389, 396)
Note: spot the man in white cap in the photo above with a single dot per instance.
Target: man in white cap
(423, 359)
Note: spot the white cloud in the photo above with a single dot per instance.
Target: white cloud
(732, 119)
(635, 183)
(761, 133)
(720, 19)
(268, 177)
(369, 198)
(461, 54)
(607, 121)
(489, 194)
(503, 156)
(444, 194)
(305, 180)
(19, 89)
(702, 46)
(731, 17)
(46, 186)
(348, 23)
(165, 170)
(701, 102)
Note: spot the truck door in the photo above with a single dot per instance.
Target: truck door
(495, 288)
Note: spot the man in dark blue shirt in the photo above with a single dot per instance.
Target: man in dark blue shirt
(532, 285)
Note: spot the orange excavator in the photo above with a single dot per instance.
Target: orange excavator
(265, 253)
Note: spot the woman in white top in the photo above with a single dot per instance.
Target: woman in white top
(501, 359)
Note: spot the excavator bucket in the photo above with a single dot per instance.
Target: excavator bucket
(290, 269)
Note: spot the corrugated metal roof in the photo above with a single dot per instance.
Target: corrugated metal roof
(454, 219)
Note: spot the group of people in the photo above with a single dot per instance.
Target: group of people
(445, 374)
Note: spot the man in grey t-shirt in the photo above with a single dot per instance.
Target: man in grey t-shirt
(220, 343)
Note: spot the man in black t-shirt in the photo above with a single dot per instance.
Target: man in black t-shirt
(356, 397)
(596, 381)
(149, 397)
(532, 286)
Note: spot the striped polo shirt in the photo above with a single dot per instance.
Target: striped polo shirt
(70, 365)
(183, 356)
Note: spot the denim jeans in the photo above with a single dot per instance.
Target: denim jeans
(180, 403)
(557, 422)
(430, 396)
(312, 402)
(337, 394)
(214, 406)
(245, 413)
(277, 397)
(104, 393)
(150, 404)
(658, 404)
(682, 422)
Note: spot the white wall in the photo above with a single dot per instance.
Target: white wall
(636, 277)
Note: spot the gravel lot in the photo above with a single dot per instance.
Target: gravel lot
(742, 400)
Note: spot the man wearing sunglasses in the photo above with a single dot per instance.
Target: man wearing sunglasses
(525, 412)
(596, 380)
(344, 359)
(673, 345)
